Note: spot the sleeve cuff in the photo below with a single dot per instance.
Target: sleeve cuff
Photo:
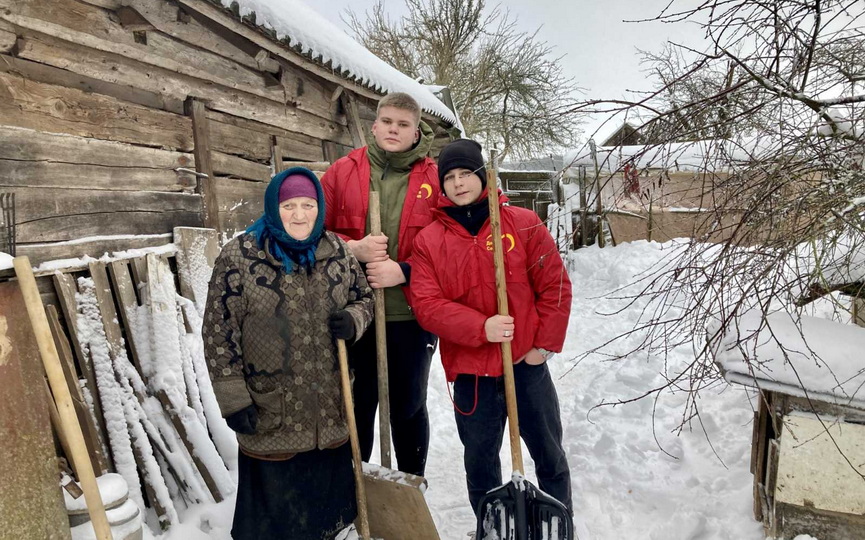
(406, 271)
(232, 395)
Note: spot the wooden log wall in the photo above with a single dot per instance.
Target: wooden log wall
(110, 112)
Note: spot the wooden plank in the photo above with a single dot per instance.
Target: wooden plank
(66, 290)
(240, 140)
(119, 69)
(31, 502)
(224, 164)
(95, 247)
(294, 145)
(85, 419)
(294, 149)
(203, 163)
(37, 72)
(44, 107)
(124, 292)
(46, 215)
(276, 156)
(7, 40)
(197, 250)
(18, 173)
(30, 145)
(182, 432)
(93, 27)
(240, 203)
(355, 125)
(171, 20)
(225, 18)
(315, 166)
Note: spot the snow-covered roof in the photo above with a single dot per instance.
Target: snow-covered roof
(316, 37)
(809, 357)
(696, 155)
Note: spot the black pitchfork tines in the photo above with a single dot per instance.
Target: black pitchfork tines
(7, 227)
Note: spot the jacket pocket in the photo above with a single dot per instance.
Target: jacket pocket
(270, 408)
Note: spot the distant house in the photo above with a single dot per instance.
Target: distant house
(122, 119)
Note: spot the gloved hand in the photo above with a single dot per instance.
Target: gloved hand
(243, 421)
(342, 325)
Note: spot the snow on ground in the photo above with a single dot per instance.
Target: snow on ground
(698, 488)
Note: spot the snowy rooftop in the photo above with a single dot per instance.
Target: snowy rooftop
(322, 41)
(822, 360)
(687, 156)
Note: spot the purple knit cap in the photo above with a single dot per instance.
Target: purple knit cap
(297, 185)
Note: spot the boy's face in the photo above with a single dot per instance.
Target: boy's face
(462, 186)
(395, 130)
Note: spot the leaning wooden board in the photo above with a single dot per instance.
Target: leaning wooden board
(31, 505)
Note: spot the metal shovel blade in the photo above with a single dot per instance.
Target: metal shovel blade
(520, 511)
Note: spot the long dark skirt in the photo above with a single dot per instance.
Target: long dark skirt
(308, 497)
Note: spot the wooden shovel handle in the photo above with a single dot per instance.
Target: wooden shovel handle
(62, 397)
(362, 514)
(380, 344)
(502, 299)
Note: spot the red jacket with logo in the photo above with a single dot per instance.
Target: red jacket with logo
(454, 289)
(346, 192)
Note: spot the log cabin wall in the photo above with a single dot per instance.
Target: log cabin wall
(111, 112)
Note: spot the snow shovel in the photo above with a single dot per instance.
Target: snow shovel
(517, 510)
(390, 504)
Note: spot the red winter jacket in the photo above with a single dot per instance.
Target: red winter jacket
(454, 289)
(346, 192)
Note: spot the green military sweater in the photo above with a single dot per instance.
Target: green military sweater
(389, 173)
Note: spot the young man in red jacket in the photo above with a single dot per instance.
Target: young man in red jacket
(395, 164)
(454, 296)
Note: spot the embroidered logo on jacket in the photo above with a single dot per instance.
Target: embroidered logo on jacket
(424, 187)
(507, 237)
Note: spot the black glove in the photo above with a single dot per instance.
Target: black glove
(342, 325)
(243, 421)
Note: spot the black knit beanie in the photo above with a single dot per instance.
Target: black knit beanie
(462, 154)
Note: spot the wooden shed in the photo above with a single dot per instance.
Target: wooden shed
(122, 119)
(808, 445)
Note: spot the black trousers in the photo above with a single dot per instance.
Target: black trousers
(409, 354)
(540, 427)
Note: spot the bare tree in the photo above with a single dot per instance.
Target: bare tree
(780, 88)
(508, 88)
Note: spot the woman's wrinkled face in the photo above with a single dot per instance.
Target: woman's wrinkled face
(298, 216)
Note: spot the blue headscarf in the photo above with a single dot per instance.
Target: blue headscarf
(270, 232)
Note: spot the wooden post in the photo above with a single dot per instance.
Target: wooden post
(599, 202)
(584, 212)
(276, 155)
(56, 380)
(355, 126)
(380, 344)
(203, 163)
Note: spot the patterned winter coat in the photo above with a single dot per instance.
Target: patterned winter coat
(267, 342)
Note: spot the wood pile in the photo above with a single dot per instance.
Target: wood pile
(144, 398)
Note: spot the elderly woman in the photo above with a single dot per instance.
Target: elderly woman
(280, 294)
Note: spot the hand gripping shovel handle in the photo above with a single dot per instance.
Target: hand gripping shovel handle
(362, 514)
(502, 299)
(62, 397)
(380, 344)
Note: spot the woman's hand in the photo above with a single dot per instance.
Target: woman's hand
(499, 328)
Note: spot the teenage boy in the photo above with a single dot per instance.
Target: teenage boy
(454, 296)
(395, 164)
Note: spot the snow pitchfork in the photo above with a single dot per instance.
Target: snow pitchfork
(517, 510)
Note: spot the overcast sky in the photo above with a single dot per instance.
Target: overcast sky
(599, 47)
